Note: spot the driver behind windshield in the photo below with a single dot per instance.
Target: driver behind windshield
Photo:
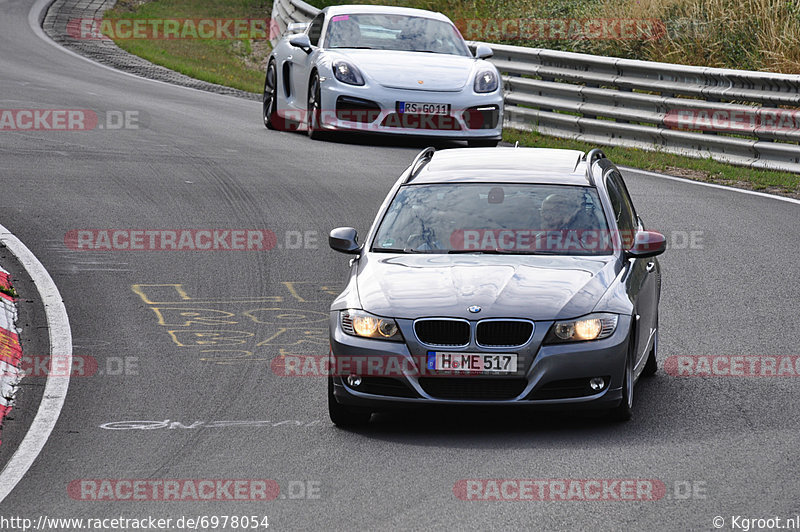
(560, 212)
(344, 33)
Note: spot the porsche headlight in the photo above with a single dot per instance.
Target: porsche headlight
(486, 81)
(347, 73)
(591, 327)
(360, 323)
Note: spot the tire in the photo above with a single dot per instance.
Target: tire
(482, 143)
(624, 411)
(345, 416)
(313, 110)
(269, 104)
(651, 366)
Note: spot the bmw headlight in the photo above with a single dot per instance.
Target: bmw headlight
(347, 73)
(360, 323)
(486, 81)
(591, 327)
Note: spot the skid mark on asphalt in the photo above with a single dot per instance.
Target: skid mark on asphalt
(75, 262)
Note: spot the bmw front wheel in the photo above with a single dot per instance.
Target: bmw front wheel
(345, 416)
(624, 411)
(651, 366)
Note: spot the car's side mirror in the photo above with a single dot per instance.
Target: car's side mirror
(647, 244)
(483, 51)
(344, 240)
(301, 41)
(297, 27)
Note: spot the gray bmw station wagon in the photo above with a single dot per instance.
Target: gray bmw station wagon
(497, 276)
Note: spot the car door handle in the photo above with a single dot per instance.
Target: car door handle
(650, 266)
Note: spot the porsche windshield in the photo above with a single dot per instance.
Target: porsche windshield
(492, 218)
(395, 32)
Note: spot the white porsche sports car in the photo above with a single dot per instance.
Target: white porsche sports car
(386, 70)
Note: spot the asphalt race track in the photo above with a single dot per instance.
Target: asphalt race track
(718, 446)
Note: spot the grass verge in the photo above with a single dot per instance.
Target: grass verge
(237, 63)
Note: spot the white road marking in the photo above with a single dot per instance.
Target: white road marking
(712, 185)
(55, 389)
(167, 424)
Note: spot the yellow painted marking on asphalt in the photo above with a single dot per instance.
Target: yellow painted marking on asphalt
(184, 317)
(149, 291)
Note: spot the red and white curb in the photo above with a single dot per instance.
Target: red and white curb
(10, 349)
(55, 388)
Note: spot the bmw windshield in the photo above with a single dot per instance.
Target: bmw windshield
(395, 32)
(498, 219)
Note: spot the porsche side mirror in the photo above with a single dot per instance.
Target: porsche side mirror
(301, 41)
(483, 52)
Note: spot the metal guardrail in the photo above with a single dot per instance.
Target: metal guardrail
(639, 104)
(624, 102)
(284, 12)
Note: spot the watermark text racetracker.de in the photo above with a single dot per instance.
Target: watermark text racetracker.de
(732, 365)
(557, 29)
(737, 120)
(189, 239)
(45, 366)
(197, 522)
(565, 240)
(575, 489)
(72, 120)
(189, 489)
(172, 28)
(390, 365)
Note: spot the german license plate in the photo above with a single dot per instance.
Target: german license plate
(420, 108)
(472, 362)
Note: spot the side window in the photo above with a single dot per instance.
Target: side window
(315, 29)
(622, 208)
(626, 197)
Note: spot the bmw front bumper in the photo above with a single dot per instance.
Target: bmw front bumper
(551, 376)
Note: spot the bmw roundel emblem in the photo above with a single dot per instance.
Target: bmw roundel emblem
(474, 309)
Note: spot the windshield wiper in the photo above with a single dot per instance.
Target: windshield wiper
(496, 251)
(398, 250)
(354, 47)
(500, 251)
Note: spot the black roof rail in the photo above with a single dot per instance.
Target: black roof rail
(423, 157)
(590, 157)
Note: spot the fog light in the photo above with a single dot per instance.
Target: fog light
(354, 381)
(597, 384)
